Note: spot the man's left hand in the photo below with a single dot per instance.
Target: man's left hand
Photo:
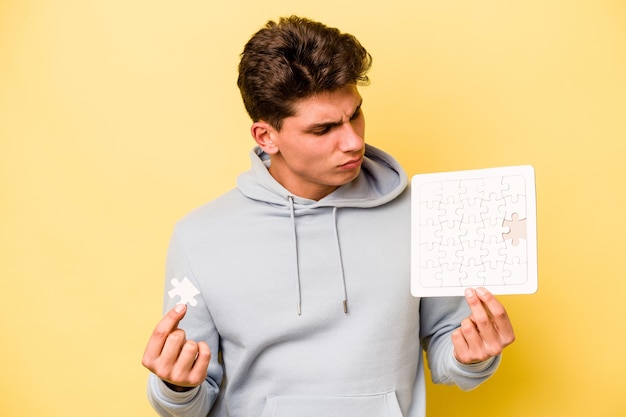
(486, 332)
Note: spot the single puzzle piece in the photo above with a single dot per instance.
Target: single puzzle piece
(471, 210)
(514, 253)
(471, 252)
(516, 229)
(451, 277)
(518, 207)
(429, 210)
(429, 276)
(518, 273)
(493, 185)
(472, 232)
(450, 210)
(495, 274)
(516, 186)
(493, 248)
(430, 191)
(449, 258)
(450, 233)
(450, 189)
(428, 232)
(494, 228)
(473, 272)
(494, 207)
(473, 189)
(185, 290)
(429, 253)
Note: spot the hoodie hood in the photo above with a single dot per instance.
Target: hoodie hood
(381, 180)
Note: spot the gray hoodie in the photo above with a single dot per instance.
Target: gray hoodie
(308, 302)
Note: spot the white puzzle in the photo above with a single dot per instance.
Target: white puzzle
(474, 228)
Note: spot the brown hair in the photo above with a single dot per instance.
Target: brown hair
(294, 59)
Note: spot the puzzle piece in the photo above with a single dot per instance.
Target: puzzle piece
(472, 251)
(518, 273)
(471, 210)
(494, 228)
(430, 191)
(451, 277)
(185, 290)
(514, 206)
(495, 274)
(450, 233)
(473, 271)
(450, 210)
(430, 276)
(514, 253)
(493, 249)
(473, 188)
(449, 258)
(429, 231)
(450, 189)
(494, 207)
(429, 210)
(516, 186)
(472, 232)
(493, 186)
(429, 253)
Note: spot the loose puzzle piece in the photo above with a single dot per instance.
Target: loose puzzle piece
(474, 228)
(185, 290)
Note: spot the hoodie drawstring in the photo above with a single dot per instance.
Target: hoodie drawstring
(297, 263)
(295, 246)
(343, 275)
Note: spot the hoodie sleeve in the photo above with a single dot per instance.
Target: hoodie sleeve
(198, 325)
(439, 316)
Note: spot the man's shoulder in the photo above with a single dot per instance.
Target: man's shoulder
(214, 210)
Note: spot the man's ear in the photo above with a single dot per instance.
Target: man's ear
(264, 134)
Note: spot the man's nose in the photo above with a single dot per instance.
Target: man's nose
(351, 140)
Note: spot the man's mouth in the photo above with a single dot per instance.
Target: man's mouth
(351, 164)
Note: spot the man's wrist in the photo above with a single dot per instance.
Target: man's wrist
(177, 388)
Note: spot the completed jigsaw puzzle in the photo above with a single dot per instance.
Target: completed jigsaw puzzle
(474, 228)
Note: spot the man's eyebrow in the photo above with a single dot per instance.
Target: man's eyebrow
(322, 126)
(326, 125)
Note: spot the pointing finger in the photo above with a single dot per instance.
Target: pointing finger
(163, 329)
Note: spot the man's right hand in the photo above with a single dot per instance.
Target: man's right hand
(179, 362)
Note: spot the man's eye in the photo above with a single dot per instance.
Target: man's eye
(321, 132)
(356, 114)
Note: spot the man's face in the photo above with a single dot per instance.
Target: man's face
(321, 147)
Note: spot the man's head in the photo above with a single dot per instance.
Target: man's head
(293, 59)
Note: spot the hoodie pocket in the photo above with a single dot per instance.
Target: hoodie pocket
(373, 405)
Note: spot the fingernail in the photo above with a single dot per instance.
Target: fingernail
(179, 308)
(481, 291)
(469, 292)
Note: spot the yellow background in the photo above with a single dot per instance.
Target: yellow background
(117, 117)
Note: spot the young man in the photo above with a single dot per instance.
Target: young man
(301, 273)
